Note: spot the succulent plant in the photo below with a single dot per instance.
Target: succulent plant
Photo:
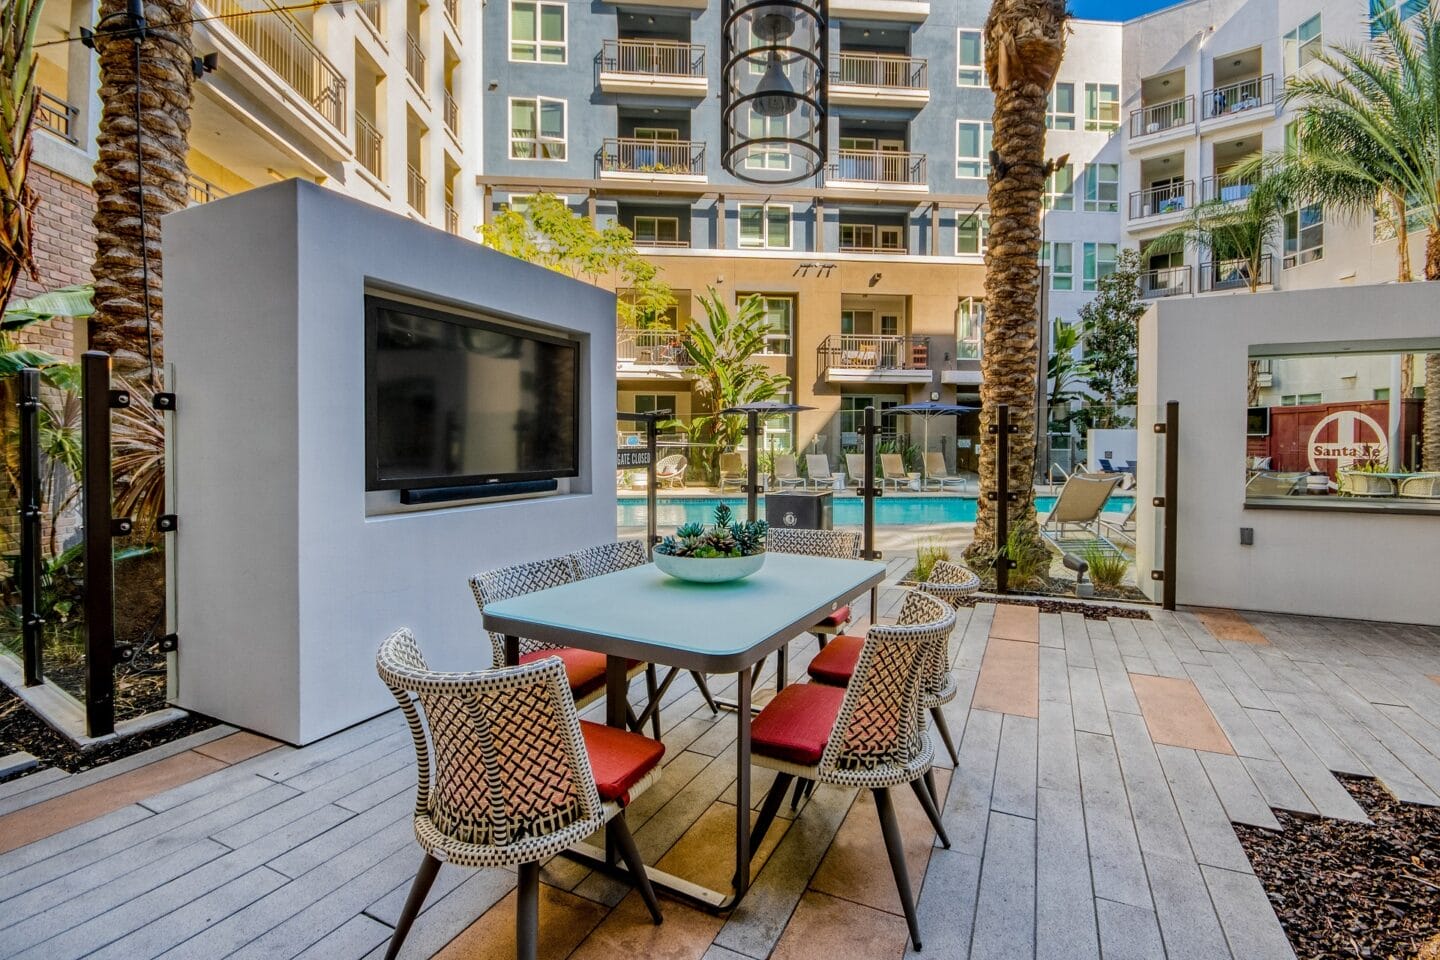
(727, 537)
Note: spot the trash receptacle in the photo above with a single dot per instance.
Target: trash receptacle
(809, 510)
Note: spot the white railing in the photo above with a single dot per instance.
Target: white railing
(369, 145)
(285, 45)
(879, 166)
(415, 60)
(415, 189)
(651, 347)
(639, 155)
(653, 58)
(881, 70)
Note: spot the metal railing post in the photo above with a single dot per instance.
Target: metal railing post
(31, 643)
(752, 481)
(651, 494)
(99, 555)
(1172, 501)
(870, 430)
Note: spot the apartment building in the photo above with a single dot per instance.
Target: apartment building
(872, 273)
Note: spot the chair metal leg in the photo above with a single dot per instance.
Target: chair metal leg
(944, 730)
(773, 798)
(652, 691)
(930, 785)
(923, 793)
(799, 794)
(895, 846)
(822, 639)
(626, 842)
(704, 689)
(424, 877)
(527, 912)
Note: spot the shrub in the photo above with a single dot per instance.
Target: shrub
(1028, 553)
(927, 551)
(1107, 568)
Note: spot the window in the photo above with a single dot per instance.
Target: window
(971, 57)
(1102, 106)
(537, 129)
(1099, 262)
(852, 418)
(1299, 399)
(1304, 235)
(1060, 107)
(1292, 137)
(971, 233)
(765, 225)
(762, 127)
(969, 328)
(972, 149)
(1380, 393)
(1062, 266)
(537, 31)
(780, 314)
(655, 230)
(1102, 188)
(1302, 45)
(1404, 9)
(1060, 189)
(869, 236)
(651, 402)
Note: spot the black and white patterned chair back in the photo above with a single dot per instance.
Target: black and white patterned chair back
(950, 581)
(840, 544)
(607, 558)
(492, 586)
(879, 738)
(503, 773)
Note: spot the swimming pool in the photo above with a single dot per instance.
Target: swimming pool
(890, 511)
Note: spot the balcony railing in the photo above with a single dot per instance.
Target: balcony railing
(1158, 201)
(201, 190)
(1168, 282)
(653, 58)
(867, 352)
(283, 43)
(452, 113)
(870, 248)
(1159, 117)
(878, 166)
(415, 189)
(369, 146)
(56, 115)
(452, 10)
(660, 157)
(415, 60)
(1238, 97)
(452, 217)
(371, 10)
(652, 348)
(1233, 274)
(1227, 189)
(894, 71)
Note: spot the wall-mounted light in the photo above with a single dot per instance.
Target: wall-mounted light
(200, 66)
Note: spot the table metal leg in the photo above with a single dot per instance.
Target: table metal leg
(782, 667)
(742, 784)
(617, 709)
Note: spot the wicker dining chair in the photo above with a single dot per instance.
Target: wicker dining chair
(840, 544)
(515, 776)
(584, 669)
(606, 558)
(869, 735)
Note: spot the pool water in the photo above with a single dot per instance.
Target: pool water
(890, 511)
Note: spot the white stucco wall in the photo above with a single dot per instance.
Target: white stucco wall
(1319, 562)
(285, 584)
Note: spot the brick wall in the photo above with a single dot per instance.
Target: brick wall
(64, 248)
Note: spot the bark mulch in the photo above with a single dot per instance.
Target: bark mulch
(1348, 890)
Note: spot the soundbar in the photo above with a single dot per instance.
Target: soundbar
(476, 491)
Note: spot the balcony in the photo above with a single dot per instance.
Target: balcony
(625, 158)
(452, 218)
(1162, 201)
(415, 61)
(199, 190)
(415, 189)
(283, 44)
(452, 115)
(877, 170)
(1161, 118)
(371, 11)
(1167, 282)
(905, 11)
(56, 115)
(1217, 275)
(1226, 188)
(880, 79)
(1238, 98)
(669, 4)
(652, 355)
(369, 147)
(864, 358)
(452, 12)
(653, 66)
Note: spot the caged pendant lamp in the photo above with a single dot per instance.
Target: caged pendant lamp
(773, 89)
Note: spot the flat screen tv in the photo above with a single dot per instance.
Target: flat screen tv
(1257, 422)
(452, 400)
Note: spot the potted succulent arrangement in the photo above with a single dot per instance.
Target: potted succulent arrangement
(727, 550)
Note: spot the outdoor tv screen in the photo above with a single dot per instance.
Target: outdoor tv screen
(1257, 422)
(453, 400)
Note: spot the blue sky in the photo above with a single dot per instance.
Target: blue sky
(1115, 9)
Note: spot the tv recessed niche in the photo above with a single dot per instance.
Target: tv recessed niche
(461, 405)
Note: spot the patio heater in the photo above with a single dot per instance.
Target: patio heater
(753, 412)
(776, 65)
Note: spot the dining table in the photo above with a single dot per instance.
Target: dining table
(642, 614)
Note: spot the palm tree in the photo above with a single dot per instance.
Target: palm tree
(1024, 43)
(142, 174)
(18, 24)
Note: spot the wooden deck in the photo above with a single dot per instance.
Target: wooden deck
(1090, 816)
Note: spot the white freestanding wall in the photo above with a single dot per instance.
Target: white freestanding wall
(1323, 562)
(285, 584)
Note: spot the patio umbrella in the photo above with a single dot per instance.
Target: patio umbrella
(754, 411)
(927, 409)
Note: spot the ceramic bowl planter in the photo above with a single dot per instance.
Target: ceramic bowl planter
(709, 569)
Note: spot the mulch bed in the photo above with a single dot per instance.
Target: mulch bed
(1348, 890)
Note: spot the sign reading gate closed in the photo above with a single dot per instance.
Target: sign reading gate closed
(628, 457)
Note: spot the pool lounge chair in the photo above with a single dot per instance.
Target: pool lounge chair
(937, 473)
(855, 466)
(732, 471)
(1268, 483)
(786, 473)
(892, 470)
(1422, 486)
(1120, 526)
(670, 471)
(1074, 522)
(817, 465)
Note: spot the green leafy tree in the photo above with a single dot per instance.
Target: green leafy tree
(547, 232)
(1110, 325)
(722, 350)
(1064, 371)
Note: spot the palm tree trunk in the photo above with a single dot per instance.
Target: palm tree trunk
(1430, 420)
(1402, 237)
(17, 122)
(1024, 43)
(127, 269)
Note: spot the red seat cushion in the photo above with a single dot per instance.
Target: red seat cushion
(837, 619)
(796, 724)
(619, 759)
(836, 663)
(584, 669)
